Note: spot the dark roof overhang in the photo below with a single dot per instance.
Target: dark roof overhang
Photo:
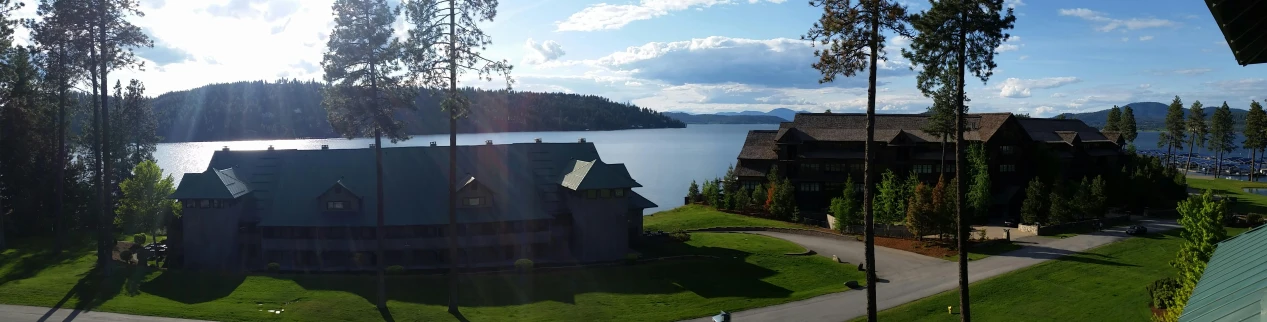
(1244, 26)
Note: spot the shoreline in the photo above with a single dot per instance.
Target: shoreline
(412, 136)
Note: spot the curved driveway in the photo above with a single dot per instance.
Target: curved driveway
(925, 277)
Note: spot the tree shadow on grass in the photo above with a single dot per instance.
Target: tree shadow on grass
(28, 258)
(1042, 252)
(727, 275)
(192, 287)
(94, 288)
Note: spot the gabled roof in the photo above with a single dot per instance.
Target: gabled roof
(852, 127)
(1070, 137)
(339, 183)
(637, 201)
(415, 181)
(597, 175)
(211, 184)
(759, 145)
(1234, 283)
(1050, 130)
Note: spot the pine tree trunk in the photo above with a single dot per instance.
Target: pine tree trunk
(867, 179)
(1188, 162)
(1253, 163)
(964, 311)
(382, 261)
(453, 159)
(103, 256)
(58, 209)
(107, 164)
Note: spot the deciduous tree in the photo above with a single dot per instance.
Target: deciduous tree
(963, 34)
(144, 200)
(445, 40)
(364, 88)
(1202, 221)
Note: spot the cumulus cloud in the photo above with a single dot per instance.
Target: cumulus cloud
(777, 62)
(541, 52)
(1012, 44)
(731, 94)
(605, 16)
(1145, 38)
(1020, 88)
(1106, 24)
(1193, 71)
(270, 10)
(1012, 4)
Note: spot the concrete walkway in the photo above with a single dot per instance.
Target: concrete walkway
(19, 313)
(890, 263)
(924, 281)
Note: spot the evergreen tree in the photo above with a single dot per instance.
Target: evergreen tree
(1059, 204)
(365, 88)
(942, 209)
(1176, 130)
(888, 199)
(444, 42)
(1202, 221)
(852, 36)
(963, 34)
(1197, 131)
(1222, 135)
(1098, 198)
(1034, 208)
(979, 189)
(743, 198)
(1113, 123)
(730, 183)
(1081, 202)
(919, 212)
(941, 119)
(692, 193)
(1129, 129)
(1255, 135)
(846, 208)
(759, 196)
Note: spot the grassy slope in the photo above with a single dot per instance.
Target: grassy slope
(980, 252)
(751, 272)
(696, 217)
(1247, 202)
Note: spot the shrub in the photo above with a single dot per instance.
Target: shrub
(138, 239)
(1254, 219)
(274, 267)
(1162, 291)
(680, 236)
(126, 256)
(523, 264)
(631, 258)
(395, 269)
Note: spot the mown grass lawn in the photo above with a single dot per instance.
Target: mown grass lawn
(1246, 202)
(748, 271)
(987, 250)
(1103, 284)
(698, 217)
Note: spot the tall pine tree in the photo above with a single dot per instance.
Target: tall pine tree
(852, 36)
(1222, 135)
(1255, 135)
(963, 34)
(1129, 129)
(444, 41)
(365, 88)
(1176, 130)
(1197, 130)
(1114, 121)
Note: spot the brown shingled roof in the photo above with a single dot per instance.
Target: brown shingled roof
(1045, 130)
(1068, 136)
(852, 127)
(759, 145)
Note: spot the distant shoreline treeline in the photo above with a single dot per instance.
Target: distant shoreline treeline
(261, 110)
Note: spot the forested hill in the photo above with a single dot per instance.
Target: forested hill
(1151, 116)
(262, 110)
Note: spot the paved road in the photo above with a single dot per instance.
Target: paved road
(928, 280)
(890, 263)
(18, 313)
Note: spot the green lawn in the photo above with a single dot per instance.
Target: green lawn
(751, 271)
(1246, 202)
(697, 217)
(991, 249)
(1103, 284)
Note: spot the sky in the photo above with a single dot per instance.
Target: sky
(708, 56)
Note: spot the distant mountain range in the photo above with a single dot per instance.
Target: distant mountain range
(746, 117)
(1150, 116)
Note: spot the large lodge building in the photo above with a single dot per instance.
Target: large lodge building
(819, 151)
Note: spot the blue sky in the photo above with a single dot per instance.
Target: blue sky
(706, 56)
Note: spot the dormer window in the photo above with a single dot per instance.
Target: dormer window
(591, 194)
(620, 193)
(606, 193)
(336, 205)
(474, 201)
(204, 203)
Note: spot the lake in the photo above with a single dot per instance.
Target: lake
(1148, 141)
(664, 161)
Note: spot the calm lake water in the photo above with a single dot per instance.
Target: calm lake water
(1148, 141)
(664, 161)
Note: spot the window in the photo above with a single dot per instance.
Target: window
(619, 192)
(188, 203)
(855, 167)
(1007, 149)
(835, 167)
(750, 184)
(811, 187)
(217, 203)
(1007, 168)
(591, 194)
(809, 167)
(835, 187)
(474, 201)
(335, 205)
(857, 187)
(949, 168)
(923, 168)
(606, 193)
(204, 203)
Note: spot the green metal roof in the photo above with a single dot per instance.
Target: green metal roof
(285, 182)
(1242, 24)
(1232, 286)
(211, 184)
(597, 175)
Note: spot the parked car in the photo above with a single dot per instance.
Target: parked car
(723, 317)
(1136, 230)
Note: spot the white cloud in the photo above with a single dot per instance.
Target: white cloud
(1193, 71)
(1058, 95)
(1020, 88)
(1126, 39)
(1011, 44)
(1023, 57)
(1145, 86)
(1145, 38)
(605, 16)
(1012, 4)
(542, 52)
(777, 62)
(1109, 24)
